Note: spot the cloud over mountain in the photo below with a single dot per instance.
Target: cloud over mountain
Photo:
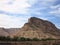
(45, 9)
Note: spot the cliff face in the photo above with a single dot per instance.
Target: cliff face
(34, 28)
(38, 28)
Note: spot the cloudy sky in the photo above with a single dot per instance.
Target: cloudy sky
(14, 13)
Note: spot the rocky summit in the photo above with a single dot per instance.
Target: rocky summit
(35, 28)
(38, 28)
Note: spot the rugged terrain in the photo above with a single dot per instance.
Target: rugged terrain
(34, 28)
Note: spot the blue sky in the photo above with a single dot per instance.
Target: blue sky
(14, 13)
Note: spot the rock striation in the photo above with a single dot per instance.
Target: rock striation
(34, 28)
(38, 28)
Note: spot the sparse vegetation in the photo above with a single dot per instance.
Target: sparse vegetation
(36, 39)
(2, 38)
(28, 41)
(48, 39)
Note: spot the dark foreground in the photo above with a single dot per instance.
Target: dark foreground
(48, 42)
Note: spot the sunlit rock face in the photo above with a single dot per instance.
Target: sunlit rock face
(34, 28)
(38, 28)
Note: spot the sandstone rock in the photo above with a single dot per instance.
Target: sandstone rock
(34, 28)
(38, 28)
(3, 32)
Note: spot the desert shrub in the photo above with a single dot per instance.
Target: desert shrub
(35, 39)
(28, 39)
(2, 38)
(8, 38)
(22, 39)
(43, 39)
(47, 39)
(50, 39)
(15, 39)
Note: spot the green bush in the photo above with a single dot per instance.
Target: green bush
(35, 39)
(15, 39)
(28, 39)
(47, 39)
(22, 39)
(2, 38)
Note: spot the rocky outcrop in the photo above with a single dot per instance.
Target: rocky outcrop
(38, 28)
(34, 28)
(3, 32)
(12, 31)
(8, 32)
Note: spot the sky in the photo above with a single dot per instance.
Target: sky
(15, 13)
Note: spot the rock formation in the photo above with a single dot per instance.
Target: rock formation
(38, 28)
(3, 32)
(34, 28)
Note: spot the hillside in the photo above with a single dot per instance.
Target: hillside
(34, 28)
(38, 28)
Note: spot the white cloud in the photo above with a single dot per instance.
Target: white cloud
(46, 2)
(11, 21)
(55, 10)
(21, 7)
(55, 7)
(41, 2)
(31, 2)
(14, 6)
